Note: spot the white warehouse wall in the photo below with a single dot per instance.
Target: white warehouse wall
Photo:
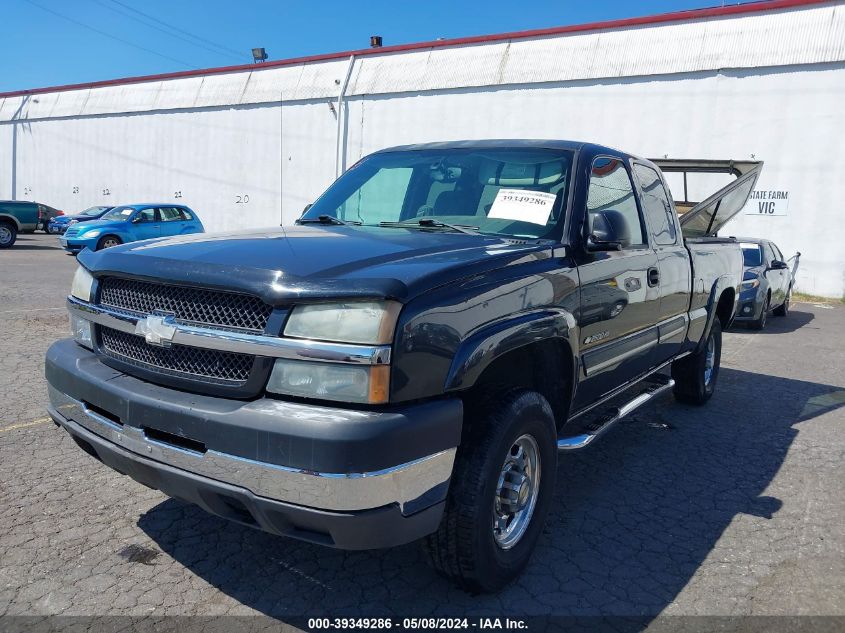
(251, 148)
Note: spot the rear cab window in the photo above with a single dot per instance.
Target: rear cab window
(656, 206)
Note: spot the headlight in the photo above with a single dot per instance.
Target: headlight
(364, 322)
(91, 233)
(329, 381)
(82, 284)
(81, 330)
(748, 285)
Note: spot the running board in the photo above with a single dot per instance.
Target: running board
(576, 442)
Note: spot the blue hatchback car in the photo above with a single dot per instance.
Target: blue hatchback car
(130, 223)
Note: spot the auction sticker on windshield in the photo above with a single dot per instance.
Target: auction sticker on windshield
(523, 205)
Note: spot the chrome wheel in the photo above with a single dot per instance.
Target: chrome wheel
(709, 360)
(517, 492)
(110, 241)
(5, 235)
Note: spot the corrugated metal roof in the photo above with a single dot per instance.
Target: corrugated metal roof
(778, 33)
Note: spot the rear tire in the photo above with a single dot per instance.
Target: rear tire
(107, 241)
(783, 309)
(695, 375)
(497, 502)
(8, 234)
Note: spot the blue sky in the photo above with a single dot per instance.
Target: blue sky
(51, 42)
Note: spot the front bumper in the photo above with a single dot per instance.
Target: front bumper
(749, 307)
(345, 478)
(75, 245)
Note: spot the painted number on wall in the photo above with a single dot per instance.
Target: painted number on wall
(106, 192)
(76, 190)
(177, 194)
(27, 191)
(244, 199)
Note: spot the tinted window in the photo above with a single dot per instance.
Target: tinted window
(656, 206)
(611, 198)
(751, 254)
(171, 214)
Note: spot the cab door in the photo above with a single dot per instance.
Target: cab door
(673, 262)
(173, 221)
(616, 315)
(146, 224)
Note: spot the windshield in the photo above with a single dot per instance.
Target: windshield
(752, 254)
(119, 213)
(510, 192)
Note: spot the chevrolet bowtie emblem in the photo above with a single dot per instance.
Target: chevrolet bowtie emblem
(157, 329)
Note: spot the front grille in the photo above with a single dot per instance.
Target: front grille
(225, 368)
(189, 305)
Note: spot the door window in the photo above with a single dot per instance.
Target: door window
(656, 206)
(770, 256)
(146, 215)
(171, 214)
(611, 204)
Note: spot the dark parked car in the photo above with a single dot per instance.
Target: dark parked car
(22, 216)
(59, 224)
(407, 362)
(767, 283)
(129, 223)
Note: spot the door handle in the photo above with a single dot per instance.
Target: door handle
(653, 277)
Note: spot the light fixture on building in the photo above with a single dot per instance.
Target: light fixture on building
(259, 55)
(375, 41)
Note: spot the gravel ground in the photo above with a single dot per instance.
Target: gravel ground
(733, 509)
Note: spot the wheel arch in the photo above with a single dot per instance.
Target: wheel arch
(721, 304)
(534, 351)
(12, 219)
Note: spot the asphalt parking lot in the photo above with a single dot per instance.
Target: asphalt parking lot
(736, 508)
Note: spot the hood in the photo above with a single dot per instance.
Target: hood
(315, 262)
(103, 224)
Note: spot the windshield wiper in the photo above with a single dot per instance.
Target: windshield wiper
(429, 222)
(326, 219)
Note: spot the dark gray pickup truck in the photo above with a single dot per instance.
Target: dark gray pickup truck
(407, 362)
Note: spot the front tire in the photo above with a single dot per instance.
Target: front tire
(783, 309)
(695, 375)
(107, 241)
(500, 493)
(760, 323)
(8, 234)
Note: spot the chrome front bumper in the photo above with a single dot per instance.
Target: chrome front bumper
(403, 484)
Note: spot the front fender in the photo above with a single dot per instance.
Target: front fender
(494, 340)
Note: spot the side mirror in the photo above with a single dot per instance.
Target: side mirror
(305, 210)
(595, 243)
